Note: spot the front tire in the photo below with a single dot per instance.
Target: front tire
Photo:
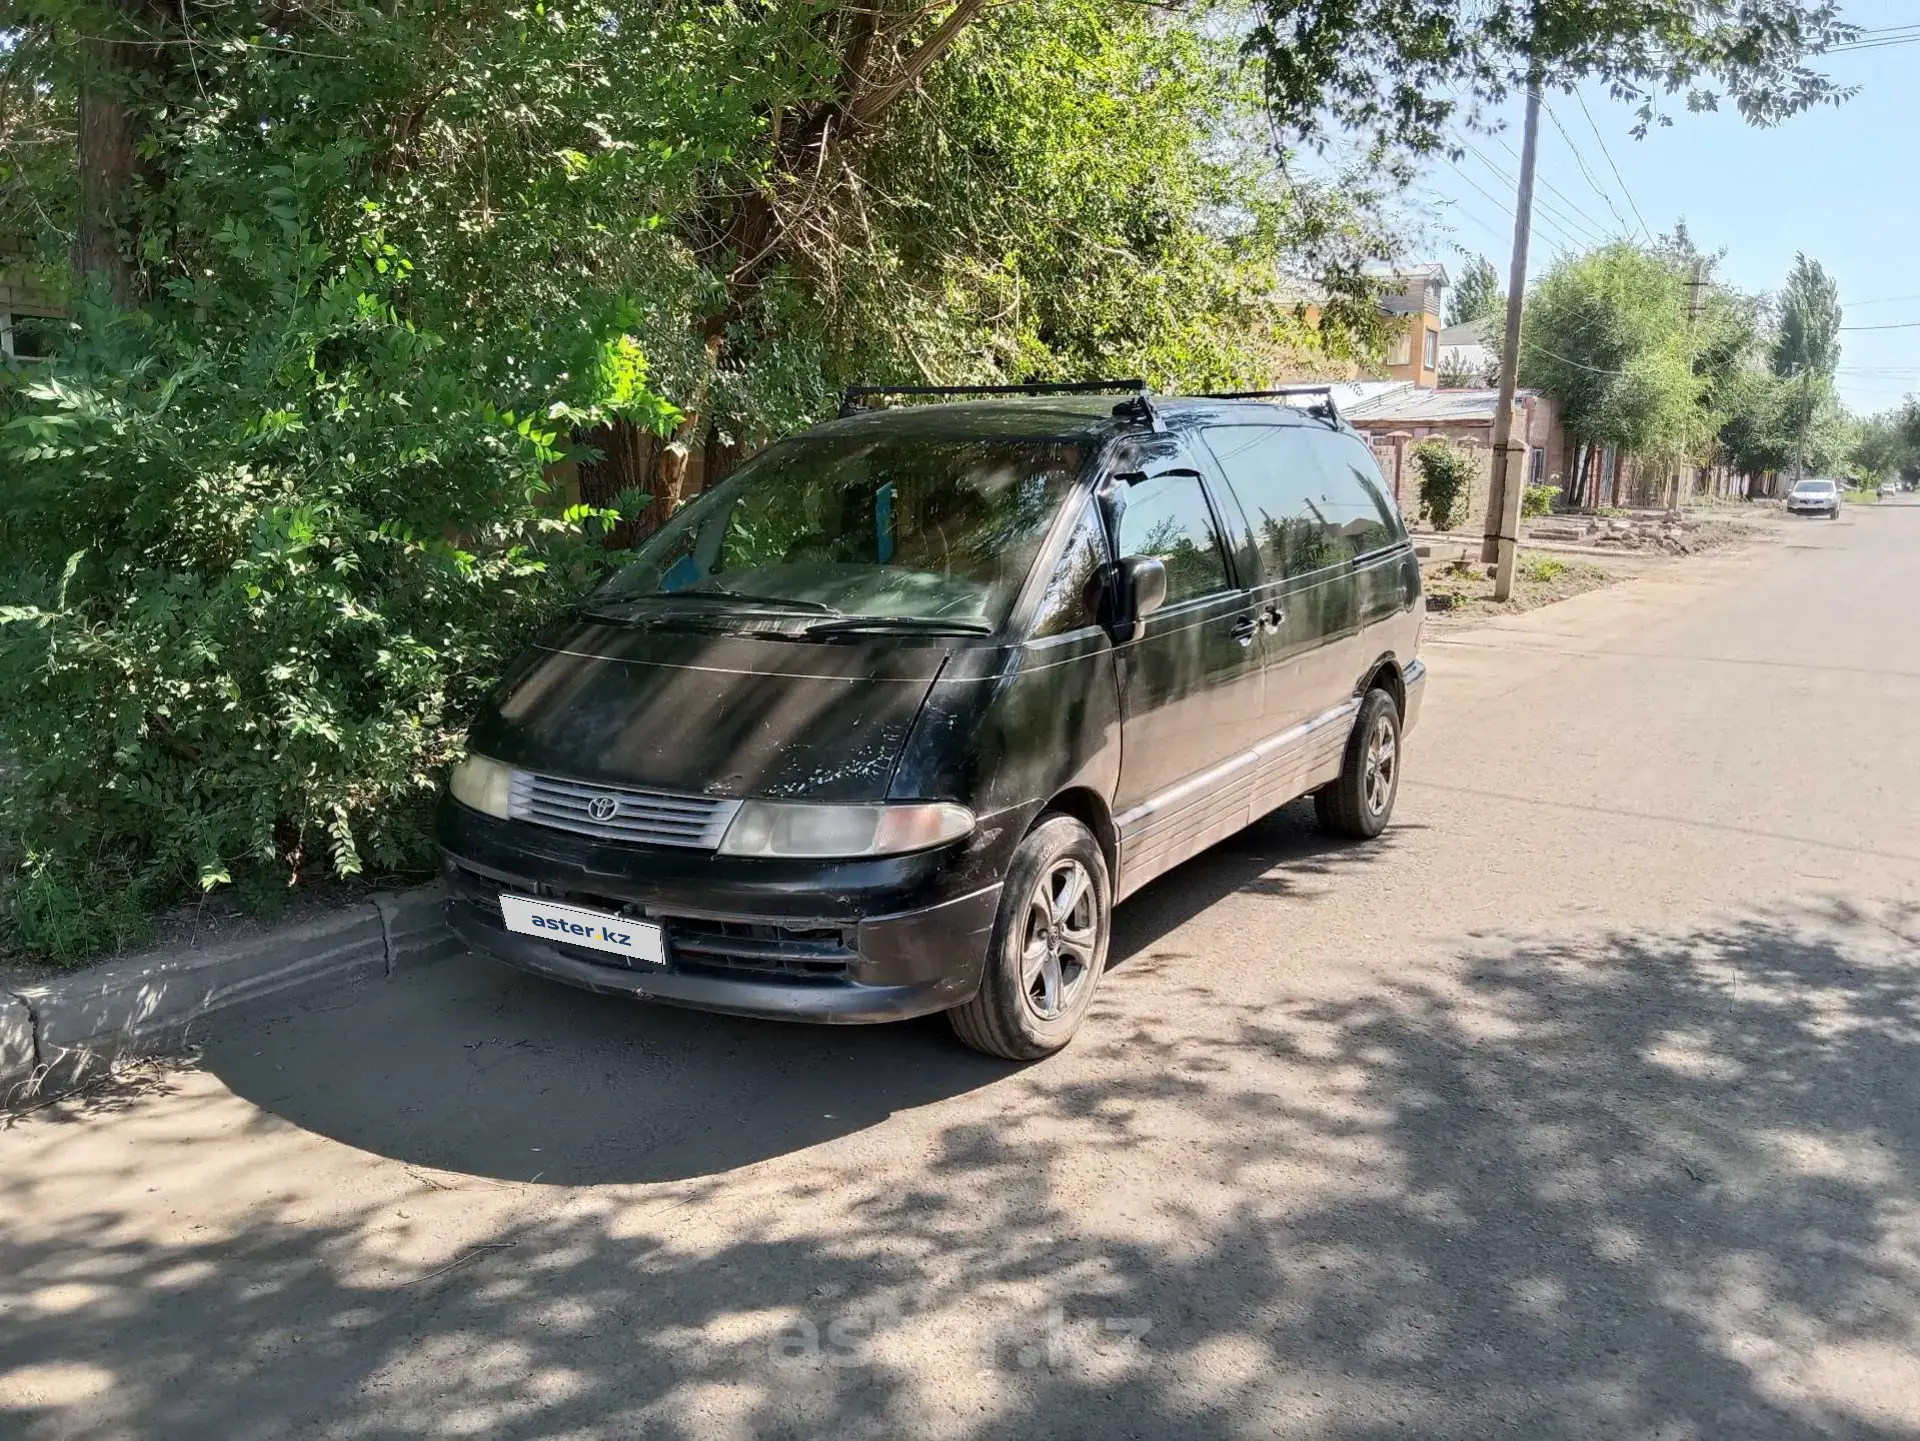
(1049, 946)
(1359, 803)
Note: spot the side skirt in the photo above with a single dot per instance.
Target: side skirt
(1183, 820)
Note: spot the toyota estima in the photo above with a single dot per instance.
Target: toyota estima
(888, 720)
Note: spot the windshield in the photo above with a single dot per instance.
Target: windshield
(1814, 487)
(894, 528)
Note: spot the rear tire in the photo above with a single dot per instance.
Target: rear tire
(1048, 949)
(1359, 803)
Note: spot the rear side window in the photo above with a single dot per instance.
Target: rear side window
(1311, 503)
(1354, 488)
(1168, 516)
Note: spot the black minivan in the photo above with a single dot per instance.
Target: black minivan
(888, 720)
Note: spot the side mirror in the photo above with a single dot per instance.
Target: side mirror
(1143, 579)
(1140, 588)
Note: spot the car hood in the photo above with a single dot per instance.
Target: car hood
(707, 714)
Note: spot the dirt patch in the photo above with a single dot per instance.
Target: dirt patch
(1463, 590)
(1658, 533)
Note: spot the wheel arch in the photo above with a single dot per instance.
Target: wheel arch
(1385, 675)
(1090, 808)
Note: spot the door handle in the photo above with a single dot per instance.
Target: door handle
(1243, 629)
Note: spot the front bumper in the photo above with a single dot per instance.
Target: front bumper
(949, 941)
(836, 941)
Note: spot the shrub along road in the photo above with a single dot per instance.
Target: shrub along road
(1583, 1105)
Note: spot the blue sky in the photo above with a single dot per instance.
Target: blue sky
(1841, 184)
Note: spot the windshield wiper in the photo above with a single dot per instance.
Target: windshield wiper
(715, 597)
(918, 624)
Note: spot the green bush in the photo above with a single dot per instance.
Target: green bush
(1446, 480)
(1538, 500)
(1543, 568)
(257, 580)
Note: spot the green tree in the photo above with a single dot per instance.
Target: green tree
(1478, 295)
(384, 275)
(1806, 350)
(1887, 445)
(1404, 70)
(1607, 334)
(1754, 434)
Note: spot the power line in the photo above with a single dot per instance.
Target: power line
(1448, 201)
(1569, 235)
(1625, 190)
(1883, 300)
(1564, 241)
(1538, 349)
(1872, 45)
(1594, 222)
(1880, 38)
(1897, 325)
(1595, 232)
(1581, 161)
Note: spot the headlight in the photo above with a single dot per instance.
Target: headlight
(778, 828)
(483, 784)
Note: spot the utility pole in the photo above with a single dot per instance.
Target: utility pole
(1805, 423)
(1696, 288)
(1502, 541)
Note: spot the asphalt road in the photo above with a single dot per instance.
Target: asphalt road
(1585, 1104)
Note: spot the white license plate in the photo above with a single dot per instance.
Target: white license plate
(576, 925)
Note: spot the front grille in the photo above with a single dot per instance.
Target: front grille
(620, 813)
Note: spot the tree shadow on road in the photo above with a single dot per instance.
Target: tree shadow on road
(1586, 1185)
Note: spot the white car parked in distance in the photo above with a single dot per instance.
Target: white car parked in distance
(1814, 497)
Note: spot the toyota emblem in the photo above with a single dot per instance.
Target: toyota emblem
(602, 808)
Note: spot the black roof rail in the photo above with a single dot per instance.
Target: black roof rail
(855, 399)
(1326, 407)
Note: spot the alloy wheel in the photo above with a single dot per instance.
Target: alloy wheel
(1059, 939)
(1382, 759)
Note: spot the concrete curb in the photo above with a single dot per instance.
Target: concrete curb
(62, 1033)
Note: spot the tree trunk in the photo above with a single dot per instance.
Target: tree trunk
(107, 164)
(628, 459)
(721, 459)
(874, 72)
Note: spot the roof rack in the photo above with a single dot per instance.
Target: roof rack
(855, 399)
(1325, 408)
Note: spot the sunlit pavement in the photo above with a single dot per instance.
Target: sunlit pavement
(1586, 1103)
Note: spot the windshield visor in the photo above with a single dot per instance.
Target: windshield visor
(864, 527)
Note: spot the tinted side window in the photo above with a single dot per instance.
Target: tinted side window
(1168, 516)
(1279, 482)
(1357, 506)
(1064, 606)
(1310, 494)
